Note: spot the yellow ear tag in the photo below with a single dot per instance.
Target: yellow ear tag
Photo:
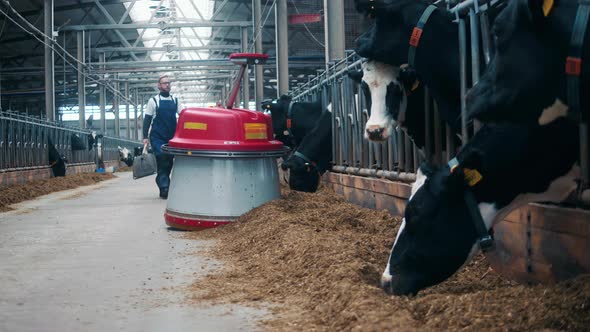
(547, 6)
(472, 176)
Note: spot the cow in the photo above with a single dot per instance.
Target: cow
(526, 81)
(396, 103)
(126, 156)
(78, 143)
(291, 121)
(436, 62)
(312, 157)
(501, 168)
(138, 151)
(57, 162)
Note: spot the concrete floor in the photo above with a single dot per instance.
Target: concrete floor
(101, 258)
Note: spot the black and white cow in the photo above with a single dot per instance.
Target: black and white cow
(395, 103)
(56, 160)
(436, 62)
(312, 157)
(126, 156)
(291, 121)
(78, 142)
(526, 80)
(502, 167)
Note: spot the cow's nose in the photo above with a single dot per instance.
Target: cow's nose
(375, 133)
(387, 285)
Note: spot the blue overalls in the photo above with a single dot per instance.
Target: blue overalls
(163, 128)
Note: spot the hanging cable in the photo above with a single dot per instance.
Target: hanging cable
(93, 80)
(305, 26)
(259, 30)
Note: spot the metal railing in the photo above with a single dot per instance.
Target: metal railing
(24, 143)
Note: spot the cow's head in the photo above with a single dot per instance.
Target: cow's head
(125, 156)
(278, 110)
(403, 101)
(57, 161)
(526, 71)
(383, 95)
(313, 155)
(303, 175)
(387, 40)
(437, 235)
(91, 140)
(266, 105)
(137, 151)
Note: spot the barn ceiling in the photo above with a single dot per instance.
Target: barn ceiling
(195, 56)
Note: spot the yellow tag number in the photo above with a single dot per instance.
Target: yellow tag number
(472, 176)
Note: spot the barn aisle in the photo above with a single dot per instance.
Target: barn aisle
(101, 258)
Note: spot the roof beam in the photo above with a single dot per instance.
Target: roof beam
(160, 26)
(109, 18)
(169, 49)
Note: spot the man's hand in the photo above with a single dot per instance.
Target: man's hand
(145, 141)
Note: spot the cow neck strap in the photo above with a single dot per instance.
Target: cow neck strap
(307, 160)
(417, 34)
(304, 157)
(573, 64)
(486, 242)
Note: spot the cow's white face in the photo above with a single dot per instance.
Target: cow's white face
(123, 153)
(420, 179)
(380, 79)
(437, 235)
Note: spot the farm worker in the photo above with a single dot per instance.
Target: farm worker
(161, 115)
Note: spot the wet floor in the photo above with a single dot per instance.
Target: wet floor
(101, 258)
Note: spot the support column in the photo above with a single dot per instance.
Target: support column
(223, 96)
(259, 83)
(334, 30)
(81, 81)
(246, 78)
(141, 102)
(116, 107)
(1, 87)
(128, 121)
(102, 100)
(282, 42)
(136, 135)
(49, 69)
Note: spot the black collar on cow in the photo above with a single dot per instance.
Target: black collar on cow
(573, 64)
(472, 177)
(417, 34)
(290, 116)
(411, 82)
(308, 162)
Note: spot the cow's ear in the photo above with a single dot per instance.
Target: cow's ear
(472, 159)
(471, 168)
(539, 10)
(287, 164)
(427, 169)
(365, 6)
(356, 75)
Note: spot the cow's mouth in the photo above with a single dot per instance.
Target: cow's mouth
(377, 134)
